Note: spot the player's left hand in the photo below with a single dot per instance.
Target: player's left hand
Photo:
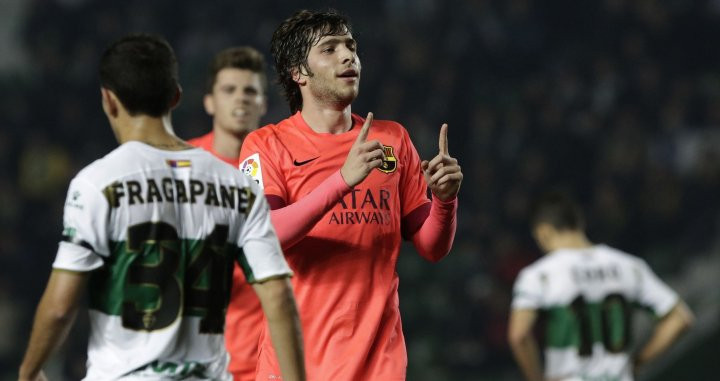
(442, 173)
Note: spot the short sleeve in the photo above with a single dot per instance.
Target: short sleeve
(261, 258)
(653, 293)
(257, 162)
(414, 188)
(84, 237)
(528, 290)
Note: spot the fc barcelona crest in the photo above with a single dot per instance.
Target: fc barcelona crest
(389, 164)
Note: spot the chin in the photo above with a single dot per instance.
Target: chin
(347, 97)
(235, 130)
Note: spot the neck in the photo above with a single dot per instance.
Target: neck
(569, 240)
(226, 143)
(326, 119)
(157, 132)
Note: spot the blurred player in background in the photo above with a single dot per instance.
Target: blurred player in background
(587, 293)
(236, 99)
(152, 230)
(344, 191)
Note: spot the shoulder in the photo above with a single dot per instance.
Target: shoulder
(385, 126)
(551, 262)
(266, 136)
(275, 131)
(391, 134)
(547, 260)
(389, 125)
(620, 256)
(103, 170)
(532, 277)
(266, 131)
(531, 269)
(276, 140)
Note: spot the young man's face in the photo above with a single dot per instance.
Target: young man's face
(237, 101)
(335, 66)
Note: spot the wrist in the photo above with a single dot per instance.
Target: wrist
(445, 199)
(26, 375)
(343, 178)
(447, 204)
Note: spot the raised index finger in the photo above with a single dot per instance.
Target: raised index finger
(362, 136)
(443, 142)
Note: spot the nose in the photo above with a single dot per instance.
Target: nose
(346, 55)
(242, 98)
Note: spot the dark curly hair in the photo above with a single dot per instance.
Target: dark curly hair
(291, 43)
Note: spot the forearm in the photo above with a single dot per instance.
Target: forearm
(293, 222)
(287, 341)
(281, 312)
(435, 236)
(50, 329)
(527, 355)
(667, 331)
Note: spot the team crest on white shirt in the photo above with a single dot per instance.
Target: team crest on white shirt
(251, 167)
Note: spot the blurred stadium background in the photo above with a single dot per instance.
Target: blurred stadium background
(615, 100)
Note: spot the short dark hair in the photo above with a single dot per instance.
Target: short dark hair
(241, 57)
(141, 69)
(559, 210)
(291, 43)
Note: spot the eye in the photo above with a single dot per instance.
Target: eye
(328, 49)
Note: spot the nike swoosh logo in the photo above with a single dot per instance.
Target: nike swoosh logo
(299, 163)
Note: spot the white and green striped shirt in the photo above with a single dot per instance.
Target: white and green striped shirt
(159, 231)
(587, 296)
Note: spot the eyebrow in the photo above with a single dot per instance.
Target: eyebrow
(337, 40)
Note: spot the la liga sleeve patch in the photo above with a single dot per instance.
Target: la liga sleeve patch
(251, 167)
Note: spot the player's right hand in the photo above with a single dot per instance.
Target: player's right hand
(364, 156)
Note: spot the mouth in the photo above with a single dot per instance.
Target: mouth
(239, 113)
(349, 74)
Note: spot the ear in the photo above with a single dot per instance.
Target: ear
(543, 230)
(298, 76)
(208, 102)
(544, 234)
(176, 99)
(110, 102)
